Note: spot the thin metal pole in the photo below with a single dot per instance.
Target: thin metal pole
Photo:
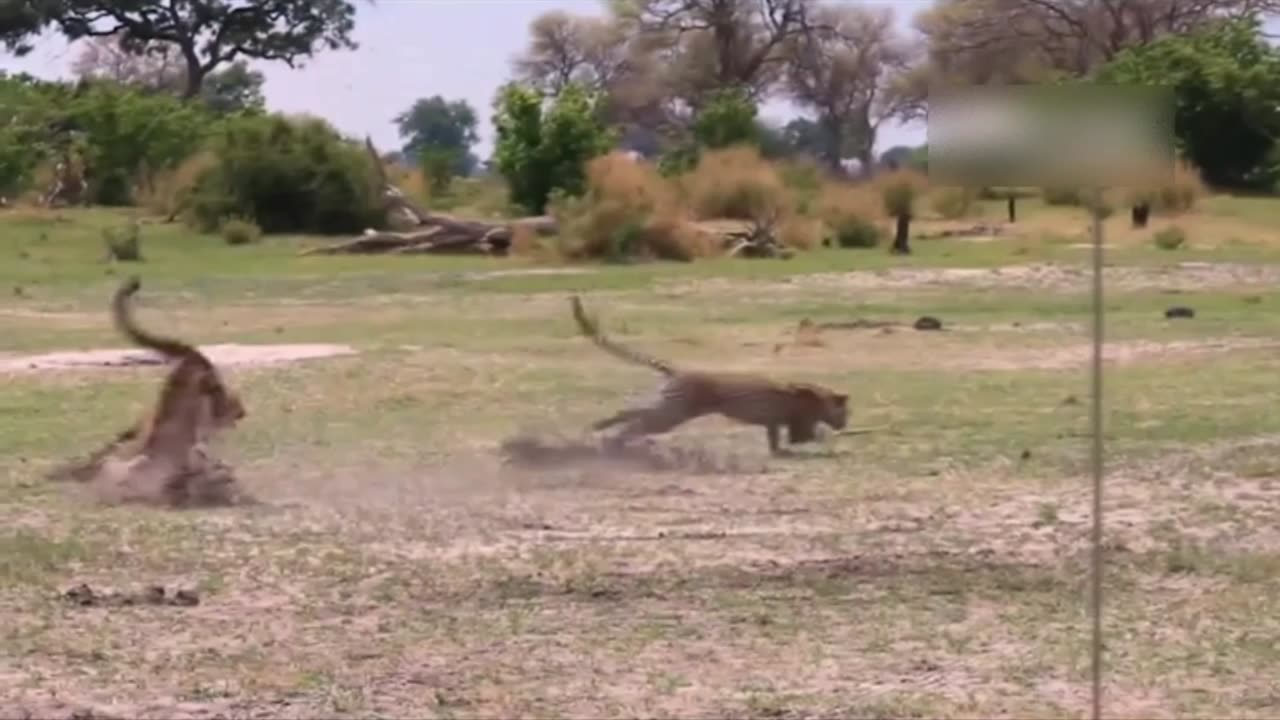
(1096, 421)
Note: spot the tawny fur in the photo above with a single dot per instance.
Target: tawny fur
(749, 399)
(194, 402)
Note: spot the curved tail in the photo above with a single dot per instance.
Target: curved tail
(122, 313)
(589, 328)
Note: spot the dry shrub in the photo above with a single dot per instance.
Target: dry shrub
(240, 231)
(1176, 193)
(952, 203)
(628, 211)
(409, 180)
(800, 232)
(736, 183)
(165, 192)
(851, 211)
(900, 190)
(805, 179)
(1170, 238)
(526, 243)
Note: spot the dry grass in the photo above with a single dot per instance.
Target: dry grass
(932, 568)
(852, 212)
(165, 192)
(628, 211)
(1180, 192)
(953, 203)
(411, 181)
(900, 190)
(736, 183)
(800, 232)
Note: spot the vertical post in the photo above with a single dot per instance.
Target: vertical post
(1096, 456)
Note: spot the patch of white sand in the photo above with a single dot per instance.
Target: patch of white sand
(228, 355)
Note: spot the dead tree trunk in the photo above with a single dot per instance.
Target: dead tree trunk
(1140, 214)
(901, 235)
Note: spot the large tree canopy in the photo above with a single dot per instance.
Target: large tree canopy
(1225, 81)
(160, 69)
(207, 33)
(981, 41)
(441, 126)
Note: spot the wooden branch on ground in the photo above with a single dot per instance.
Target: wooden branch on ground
(428, 232)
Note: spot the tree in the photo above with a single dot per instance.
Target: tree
(439, 133)
(848, 69)
(897, 156)
(542, 150)
(30, 112)
(1225, 81)
(19, 21)
(602, 56)
(155, 67)
(235, 88)
(978, 41)
(713, 44)
(593, 53)
(728, 118)
(288, 174)
(206, 33)
(805, 136)
(159, 68)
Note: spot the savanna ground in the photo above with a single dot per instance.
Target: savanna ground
(934, 568)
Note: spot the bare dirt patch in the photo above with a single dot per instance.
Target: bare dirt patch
(1035, 276)
(521, 272)
(1121, 353)
(228, 355)
(535, 452)
(970, 348)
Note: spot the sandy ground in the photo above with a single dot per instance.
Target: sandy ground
(1041, 276)
(228, 354)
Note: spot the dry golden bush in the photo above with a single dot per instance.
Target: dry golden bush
(852, 212)
(737, 183)
(900, 190)
(800, 232)
(952, 203)
(1182, 189)
(628, 211)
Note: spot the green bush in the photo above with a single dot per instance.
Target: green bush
(1170, 238)
(290, 175)
(238, 231)
(127, 132)
(857, 232)
(28, 108)
(542, 150)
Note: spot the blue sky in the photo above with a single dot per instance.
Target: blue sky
(417, 48)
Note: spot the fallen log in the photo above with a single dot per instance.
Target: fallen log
(419, 230)
(416, 230)
(439, 234)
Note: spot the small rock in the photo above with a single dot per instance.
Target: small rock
(927, 322)
(1026, 455)
(1179, 311)
(186, 598)
(81, 594)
